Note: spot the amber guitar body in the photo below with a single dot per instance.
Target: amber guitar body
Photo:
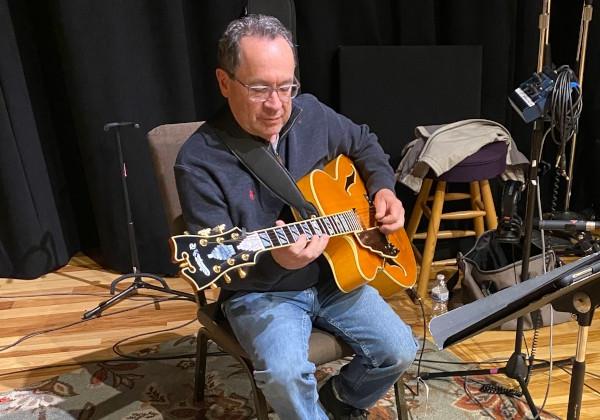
(386, 262)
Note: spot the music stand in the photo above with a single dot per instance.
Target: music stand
(136, 273)
(517, 367)
(570, 288)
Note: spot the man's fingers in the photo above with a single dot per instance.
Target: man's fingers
(300, 244)
(380, 208)
(391, 228)
(316, 246)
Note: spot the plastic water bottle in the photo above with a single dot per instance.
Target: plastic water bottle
(439, 296)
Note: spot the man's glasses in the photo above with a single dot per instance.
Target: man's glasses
(261, 93)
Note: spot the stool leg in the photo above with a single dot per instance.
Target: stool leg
(417, 211)
(476, 205)
(431, 240)
(488, 202)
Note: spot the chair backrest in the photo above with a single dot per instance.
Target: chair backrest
(165, 142)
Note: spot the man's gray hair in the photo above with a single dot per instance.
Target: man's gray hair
(228, 55)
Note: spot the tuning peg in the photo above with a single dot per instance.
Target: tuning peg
(230, 261)
(241, 273)
(186, 232)
(214, 286)
(245, 257)
(204, 232)
(216, 269)
(183, 264)
(219, 228)
(227, 278)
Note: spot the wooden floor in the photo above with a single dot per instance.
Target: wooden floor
(60, 298)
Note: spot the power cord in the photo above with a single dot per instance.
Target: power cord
(62, 327)
(472, 398)
(116, 349)
(116, 346)
(414, 296)
(564, 112)
(585, 384)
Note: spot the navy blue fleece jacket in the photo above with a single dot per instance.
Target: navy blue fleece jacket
(216, 188)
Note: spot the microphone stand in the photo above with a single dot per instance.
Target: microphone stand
(517, 367)
(586, 18)
(137, 275)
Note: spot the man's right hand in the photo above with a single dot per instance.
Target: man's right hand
(301, 253)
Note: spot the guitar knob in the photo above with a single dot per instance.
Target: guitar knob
(227, 278)
(241, 273)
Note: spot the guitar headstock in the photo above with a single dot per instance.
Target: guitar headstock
(213, 255)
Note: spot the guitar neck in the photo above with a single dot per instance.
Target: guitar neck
(332, 225)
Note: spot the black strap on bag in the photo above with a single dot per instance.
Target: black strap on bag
(254, 153)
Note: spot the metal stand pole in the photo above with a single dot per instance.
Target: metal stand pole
(586, 18)
(517, 367)
(138, 283)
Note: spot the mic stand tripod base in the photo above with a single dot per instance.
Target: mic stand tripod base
(138, 283)
(516, 368)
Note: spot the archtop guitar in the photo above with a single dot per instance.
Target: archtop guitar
(357, 252)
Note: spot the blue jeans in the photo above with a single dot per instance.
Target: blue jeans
(274, 328)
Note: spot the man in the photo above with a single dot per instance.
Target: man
(273, 309)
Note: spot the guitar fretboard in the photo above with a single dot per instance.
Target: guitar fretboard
(332, 225)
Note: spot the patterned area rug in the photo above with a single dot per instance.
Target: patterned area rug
(163, 389)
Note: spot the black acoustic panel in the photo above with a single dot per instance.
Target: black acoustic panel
(393, 89)
(285, 11)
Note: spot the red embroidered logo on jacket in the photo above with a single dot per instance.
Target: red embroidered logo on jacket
(251, 195)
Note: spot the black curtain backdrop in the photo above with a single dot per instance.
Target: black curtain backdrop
(68, 67)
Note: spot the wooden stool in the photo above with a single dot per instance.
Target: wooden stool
(477, 170)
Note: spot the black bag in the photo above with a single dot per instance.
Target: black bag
(491, 266)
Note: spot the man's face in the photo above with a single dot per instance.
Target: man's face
(267, 62)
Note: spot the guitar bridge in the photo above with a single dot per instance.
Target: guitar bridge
(377, 242)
